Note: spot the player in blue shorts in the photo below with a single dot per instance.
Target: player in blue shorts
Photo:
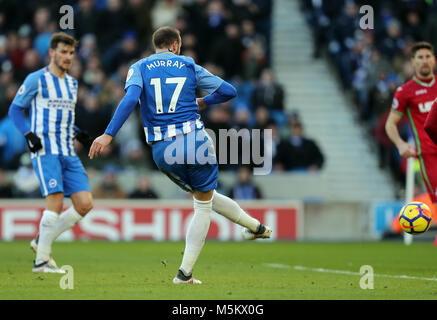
(50, 93)
(165, 84)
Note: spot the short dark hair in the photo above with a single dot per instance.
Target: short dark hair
(165, 36)
(64, 38)
(421, 45)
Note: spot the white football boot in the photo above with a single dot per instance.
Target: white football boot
(263, 232)
(47, 267)
(181, 279)
(34, 248)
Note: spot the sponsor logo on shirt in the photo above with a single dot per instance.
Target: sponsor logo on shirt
(425, 107)
(395, 103)
(22, 89)
(129, 74)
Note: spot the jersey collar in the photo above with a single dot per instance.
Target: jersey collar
(164, 52)
(430, 84)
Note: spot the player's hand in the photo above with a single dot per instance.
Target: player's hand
(84, 138)
(33, 141)
(406, 150)
(99, 144)
(202, 105)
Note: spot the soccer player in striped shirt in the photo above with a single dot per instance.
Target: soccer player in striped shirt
(165, 84)
(50, 93)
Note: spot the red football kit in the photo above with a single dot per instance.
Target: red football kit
(415, 99)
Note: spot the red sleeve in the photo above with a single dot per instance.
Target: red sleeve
(400, 101)
(431, 123)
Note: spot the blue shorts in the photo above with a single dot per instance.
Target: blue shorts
(189, 160)
(57, 173)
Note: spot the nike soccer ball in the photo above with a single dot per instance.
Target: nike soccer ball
(415, 217)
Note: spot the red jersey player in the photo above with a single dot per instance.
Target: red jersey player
(414, 100)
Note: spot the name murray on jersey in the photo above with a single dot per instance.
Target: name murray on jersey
(165, 63)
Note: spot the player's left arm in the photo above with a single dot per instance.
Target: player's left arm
(219, 90)
(225, 92)
(430, 125)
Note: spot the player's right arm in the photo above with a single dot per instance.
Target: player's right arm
(399, 106)
(22, 101)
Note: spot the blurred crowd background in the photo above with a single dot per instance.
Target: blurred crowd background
(230, 38)
(372, 63)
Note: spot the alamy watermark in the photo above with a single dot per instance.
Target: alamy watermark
(67, 20)
(67, 280)
(254, 147)
(367, 21)
(366, 280)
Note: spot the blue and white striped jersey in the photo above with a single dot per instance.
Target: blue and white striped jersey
(52, 102)
(168, 96)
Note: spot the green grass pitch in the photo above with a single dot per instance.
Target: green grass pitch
(247, 270)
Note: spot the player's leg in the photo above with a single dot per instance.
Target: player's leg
(76, 186)
(221, 204)
(230, 209)
(48, 171)
(196, 235)
(82, 204)
(47, 227)
(428, 169)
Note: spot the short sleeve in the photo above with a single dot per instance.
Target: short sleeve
(205, 80)
(400, 101)
(27, 91)
(134, 76)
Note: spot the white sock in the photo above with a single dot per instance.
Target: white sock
(196, 234)
(47, 228)
(66, 220)
(231, 210)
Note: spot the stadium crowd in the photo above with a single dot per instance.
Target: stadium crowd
(372, 63)
(230, 38)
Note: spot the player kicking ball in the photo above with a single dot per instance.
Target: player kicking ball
(165, 84)
(50, 93)
(414, 99)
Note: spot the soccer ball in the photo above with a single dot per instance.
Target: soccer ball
(415, 217)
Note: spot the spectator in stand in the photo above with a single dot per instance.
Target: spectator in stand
(165, 12)
(109, 188)
(12, 143)
(143, 190)
(298, 153)
(5, 186)
(244, 188)
(227, 51)
(92, 115)
(113, 21)
(25, 181)
(268, 92)
(85, 21)
(241, 27)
